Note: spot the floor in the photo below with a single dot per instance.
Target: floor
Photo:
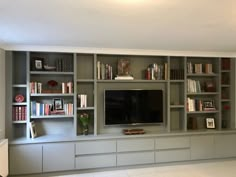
(226, 168)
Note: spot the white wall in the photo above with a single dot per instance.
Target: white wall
(2, 93)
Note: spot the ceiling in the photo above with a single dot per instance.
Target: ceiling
(190, 25)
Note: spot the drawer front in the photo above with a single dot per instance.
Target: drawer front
(173, 142)
(135, 145)
(135, 158)
(172, 155)
(95, 147)
(95, 161)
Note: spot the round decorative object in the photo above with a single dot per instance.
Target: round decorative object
(19, 98)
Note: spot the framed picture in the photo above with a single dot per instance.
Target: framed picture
(123, 67)
(37, 64)
(209, 105)
(210, 123)
(58, 104)
(33, 131)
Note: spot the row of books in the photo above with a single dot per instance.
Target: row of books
(199, 68)
(200, 105)
(194, 105)
(67, 87)
(157, 72)
(64, 65)
(225, 63)
(82, 100)
(19, 113)
(104, 71)
(177, 74)
(44, 109)
(193, 86)
(36, 87)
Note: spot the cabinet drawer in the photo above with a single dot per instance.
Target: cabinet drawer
(173, 142)
(95, 147)
(135, 145)
(135, 158)
(95, 161)
(172, 155)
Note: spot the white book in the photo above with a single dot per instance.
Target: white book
(98, 70)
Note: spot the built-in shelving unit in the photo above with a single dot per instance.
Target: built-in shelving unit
(82, 71)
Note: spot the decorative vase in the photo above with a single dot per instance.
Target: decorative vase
(85, 130)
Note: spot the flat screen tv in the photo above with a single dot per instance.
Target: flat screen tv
(133, 107)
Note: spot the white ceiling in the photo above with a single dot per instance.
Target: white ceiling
(196, 25)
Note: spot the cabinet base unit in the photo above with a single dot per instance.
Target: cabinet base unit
(119, 151)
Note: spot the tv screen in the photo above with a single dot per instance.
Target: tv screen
(125, 107)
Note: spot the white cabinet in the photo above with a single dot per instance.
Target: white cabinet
(202, 147)
(172, 149)
(58, 156)
(25, 159)
(3, 157)
(95, 154)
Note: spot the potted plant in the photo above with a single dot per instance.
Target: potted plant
(84, 119)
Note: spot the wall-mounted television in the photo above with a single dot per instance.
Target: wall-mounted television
(133, 107)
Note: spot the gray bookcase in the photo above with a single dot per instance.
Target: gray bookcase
(82, 73)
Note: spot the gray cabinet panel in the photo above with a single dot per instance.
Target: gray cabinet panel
(172, 142)
(202, 147)
(58, 157)
(95, 147)
(135, 145)
(225, 145)
(135, 158)
(172, 155)
(25, 159)
(95, 161)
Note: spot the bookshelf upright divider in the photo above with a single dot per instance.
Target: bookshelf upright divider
(28, 94)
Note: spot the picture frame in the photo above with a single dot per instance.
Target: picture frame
(38, 64)
(209, 105)
(33, 130)
(123, 67)
(210, 123)
(58, 104)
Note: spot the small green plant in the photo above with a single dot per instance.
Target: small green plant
(84, 119)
